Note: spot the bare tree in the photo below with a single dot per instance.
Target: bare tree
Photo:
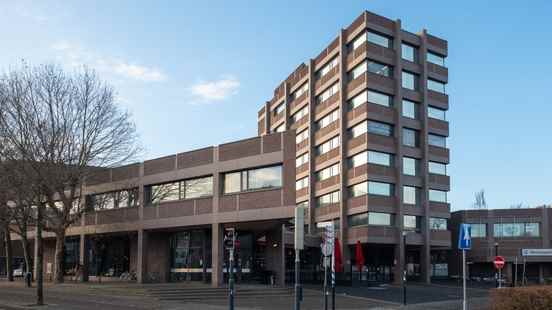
(63, 126)
(520, 205)
(480, 201)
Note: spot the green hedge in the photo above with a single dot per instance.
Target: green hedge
(521, 298)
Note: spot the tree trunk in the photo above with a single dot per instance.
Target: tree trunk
(39, 258)
(9, 255)
(26, 253)
(59, 256)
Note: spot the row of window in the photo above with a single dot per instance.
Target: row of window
(506, 230)
(410, 136)
(410, 222)
(410, 165)
(408, 51)
(113, 200)
(411, 194)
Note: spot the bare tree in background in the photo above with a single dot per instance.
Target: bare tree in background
(480, 201)
(64, 127)
(520, 205)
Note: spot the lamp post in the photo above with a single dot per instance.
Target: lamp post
(496, 273)
(404, 267)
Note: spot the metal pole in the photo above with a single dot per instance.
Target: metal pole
(231, 272)
(515, 271)
(297, 280)
(464, 304)
(496, 274)
(325, 284)
(333, 279)
(404, 270)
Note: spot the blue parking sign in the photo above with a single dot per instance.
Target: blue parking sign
(464, 238)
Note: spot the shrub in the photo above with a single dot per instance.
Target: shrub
(521, 298)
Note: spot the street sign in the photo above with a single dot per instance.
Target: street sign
(464, 238)
(299, 234)
(536, 252)
(499, 262)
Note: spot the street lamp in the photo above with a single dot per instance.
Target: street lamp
(404, 234)
(496, 273)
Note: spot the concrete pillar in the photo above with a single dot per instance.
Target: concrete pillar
(541, 273)
(509, 272)
(142, 259)
(282, 265)
(217, 254)
(399, 262)
(84, 255)
(425, 263)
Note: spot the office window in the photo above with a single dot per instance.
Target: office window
(408, 52)
(379, 39)
(302, 136)
(358, 41)
(358, 71)
(302, 183)
(411, 222)
(328, 172)
(327, 199)
(280, 128)
(378, 128)
(379, 68)
(437, 140)
(280, 108)
(301, 160)
(410, 166)
(327, 146)
(436, 223)
(436, 113)
(437, 195)
(410, 137)
(300, 91)
(264, 177)
(478, 230)
(195, 188)
(358, 220)
(372, 157)
(411, 195)
(165, 192)
(328, 119)
(436, 86)
(516, 230)
(436, 59)
(359, 129)
(332, 90)
(437, 168)
(358, 100)
(409, 109)
(327, 68)
(359, 189)
(111, 200)
(253, 179)
(379, 98)
(300, 114)
(380, 188)
(409, 80)
(382, 219)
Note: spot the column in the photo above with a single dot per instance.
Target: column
(84, 255)
(142, 259)
(217, 254)
(282, 265)
(541, 273)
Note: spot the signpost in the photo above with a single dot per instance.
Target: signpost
(464, 243)
(499, 263)
(230, 244)
(327, 251)
(299, 237)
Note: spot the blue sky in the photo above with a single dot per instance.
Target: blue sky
(182, 66)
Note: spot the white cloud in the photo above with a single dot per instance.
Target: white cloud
(75, 56)
(215, 90)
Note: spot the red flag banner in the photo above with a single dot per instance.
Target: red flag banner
(338, 264)
(359, 256)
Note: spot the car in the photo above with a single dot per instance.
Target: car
(18, 272)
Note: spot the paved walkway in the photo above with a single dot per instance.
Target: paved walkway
(111, 296)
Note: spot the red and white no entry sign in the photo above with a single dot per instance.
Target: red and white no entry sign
(499, 262)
